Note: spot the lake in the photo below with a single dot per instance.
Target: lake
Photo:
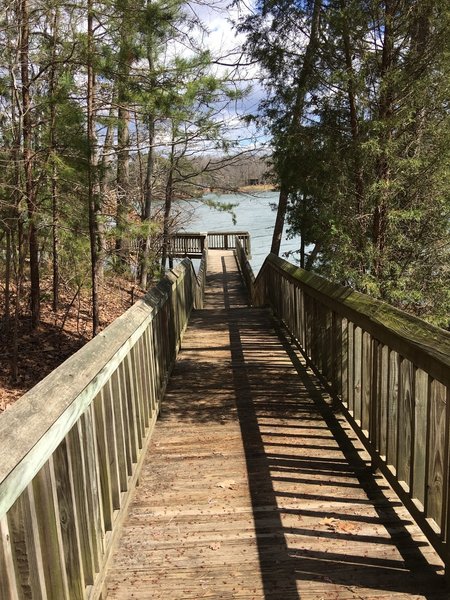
(254, 214)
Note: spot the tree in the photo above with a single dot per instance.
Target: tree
(369, 154)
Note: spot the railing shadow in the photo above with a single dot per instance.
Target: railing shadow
(321, 516)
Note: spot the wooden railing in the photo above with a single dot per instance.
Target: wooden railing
(391, 372)
(193, 244)
(189, 245)
(226, 240)
(72, 447)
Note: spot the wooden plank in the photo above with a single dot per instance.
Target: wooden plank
(142, 357)
(392, 439)
(366, 381)
(93, 486)
(436, 452)
(21, 558)
(69, 523)
(357, 373)
(133, 403)
(421, 398)
(127, 421)
(81, 491)
(119, 422)
(345, 362)
(384, 400)
(49, 523)
(150, 370)
(8, 581)
(107, 480)
(351, 368)
(375, 395)
(336, 340)
(26, 547)
(406, 419)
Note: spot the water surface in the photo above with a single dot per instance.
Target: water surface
(254, 213)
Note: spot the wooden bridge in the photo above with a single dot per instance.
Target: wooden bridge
(301, 449)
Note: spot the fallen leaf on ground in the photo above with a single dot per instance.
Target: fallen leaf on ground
(215, 545)
(227, 484)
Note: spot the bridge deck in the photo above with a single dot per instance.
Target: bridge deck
(254, 487)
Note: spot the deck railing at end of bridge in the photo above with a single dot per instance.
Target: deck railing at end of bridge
(73, 446)
(391, 373)
(192, 244)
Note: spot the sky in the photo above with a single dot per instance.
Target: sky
(227, 45)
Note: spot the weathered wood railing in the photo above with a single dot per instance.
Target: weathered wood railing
(390, 370)
(192, 244)
(72, 447)
(226, 240)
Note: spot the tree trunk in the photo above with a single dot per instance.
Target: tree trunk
(354, 121)
(7, 314)
(168, 207)
(93, 191)
(279, 221)
(380, 214)
(106, 162)
(297, 114)
(27, 132)
(123, 141)
(54, 176)
(146, 214)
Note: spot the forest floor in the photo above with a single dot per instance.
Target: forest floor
(59, 335)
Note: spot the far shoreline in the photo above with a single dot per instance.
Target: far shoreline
(261, 187)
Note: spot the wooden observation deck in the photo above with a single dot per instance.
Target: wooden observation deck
(254, 482)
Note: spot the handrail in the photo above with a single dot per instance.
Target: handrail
(226, 240)
(192, 244)
(73, 446)
(390, 370)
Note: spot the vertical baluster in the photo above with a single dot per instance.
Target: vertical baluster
(142, 385)
(351, 368)
(366, 381)
(81, 485)
(384, 400)
(357, 363)
(393, 409)
(127, 397)
(150, 370)
(112, 442)
(129, 368)
(375, 394)
(344, 362)
(120, 429)
(104, 462)
(135, 373)
(8, 582)
(420, 435)
(437, 460)
(25, 546)
(93, 485)
(68, 515)
(406, 419)
(49, 523)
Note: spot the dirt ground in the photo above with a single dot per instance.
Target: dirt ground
(58, 336)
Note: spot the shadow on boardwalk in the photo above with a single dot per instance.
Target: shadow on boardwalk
(255, 487)
(306, 423)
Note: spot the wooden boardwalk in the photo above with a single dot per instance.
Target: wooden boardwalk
(254, 487)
